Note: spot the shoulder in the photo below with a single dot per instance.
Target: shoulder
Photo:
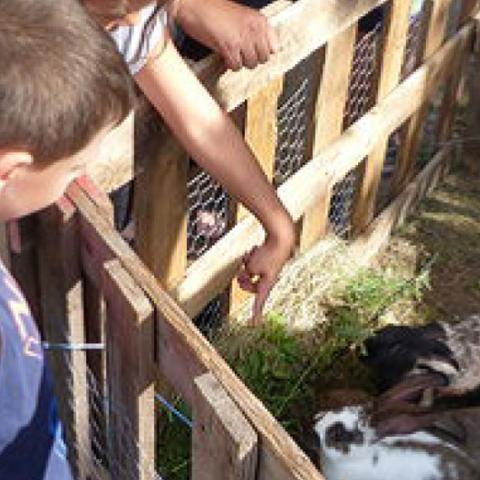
(136, 43)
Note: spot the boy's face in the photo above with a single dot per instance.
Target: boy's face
(26, 187)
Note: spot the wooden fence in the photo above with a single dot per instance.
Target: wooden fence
(86, 285)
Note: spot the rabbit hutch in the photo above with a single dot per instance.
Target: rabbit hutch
(336, 119)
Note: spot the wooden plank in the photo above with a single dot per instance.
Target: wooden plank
(224, 444)
(377, 234)
(448, 107)
(183, 353)
(393, 54)
(115, 166)
(261, 136)
(302, 28)
(130, 368)
(328, 122)
(214, 270)
(22, 235)
(61, 298)
(161, 210)
(411, 134)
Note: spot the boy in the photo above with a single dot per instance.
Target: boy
(62, 87)
(139, 28)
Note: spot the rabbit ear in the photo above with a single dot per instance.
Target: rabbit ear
(402, 424)
(411, 388)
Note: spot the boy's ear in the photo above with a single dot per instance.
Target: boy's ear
(11, 161)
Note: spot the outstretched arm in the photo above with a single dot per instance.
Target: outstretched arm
(210, 137)
(241, 35)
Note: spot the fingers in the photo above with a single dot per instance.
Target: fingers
(263, 289)
(233, 58)
(272, 40)
(253, 43)
(249, 55)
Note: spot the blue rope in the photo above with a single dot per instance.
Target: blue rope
(173, 410)
(73, 346)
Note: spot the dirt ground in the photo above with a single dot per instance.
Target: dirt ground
(446, 229)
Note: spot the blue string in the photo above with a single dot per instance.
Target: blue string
(73, 346)
(173, 410)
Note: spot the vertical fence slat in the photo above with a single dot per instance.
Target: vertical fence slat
(130, 353)
(394, 43)
(224, 443)
(261, 136)
(448, 107)
(61, 301)
(22, 246)
(437, 12)
(161, 211)
(328, 121)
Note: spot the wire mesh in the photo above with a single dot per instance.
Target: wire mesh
(292, 133)
(208, 207)
(106, 448)
(295, 107)
(359, 100)
(414, 37)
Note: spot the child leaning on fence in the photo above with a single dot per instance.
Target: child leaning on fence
(56, 105)
(139, 28)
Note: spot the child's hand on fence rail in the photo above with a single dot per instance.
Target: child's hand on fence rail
(241, 35)
(262, 266)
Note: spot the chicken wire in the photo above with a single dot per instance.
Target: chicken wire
(359, 100)
(295, 108)
(104, 447)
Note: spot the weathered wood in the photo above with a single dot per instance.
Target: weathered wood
(394, 43)
(377, 234)
(22, 235)
(448, 107)
(214, 270)
(302, 28)
(61, 300)
(328, 122)
(224, 443)
(411, 134)
(130, 368)
(183, 353)
(261, 136)
(115, 166)
(161, 210)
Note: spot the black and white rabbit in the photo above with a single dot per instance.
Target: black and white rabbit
(446, 355)
(355, 444)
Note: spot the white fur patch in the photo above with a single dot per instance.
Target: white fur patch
(376, 460)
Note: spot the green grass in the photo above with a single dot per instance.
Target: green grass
(290, 371)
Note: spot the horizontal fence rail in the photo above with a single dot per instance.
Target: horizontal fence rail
(323, 117)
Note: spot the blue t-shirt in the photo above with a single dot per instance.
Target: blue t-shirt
(31, 444)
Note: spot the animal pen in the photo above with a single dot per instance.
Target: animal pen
(337, 120)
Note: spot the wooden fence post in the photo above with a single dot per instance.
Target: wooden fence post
(61, 300)
(130, 375)
(448, 107)
(261, 136)
(328, 122)
(161, 209)
(224, 443)
(411, 134)
(394, 43)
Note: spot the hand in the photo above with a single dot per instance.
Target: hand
(241, 35)
(262, 266)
